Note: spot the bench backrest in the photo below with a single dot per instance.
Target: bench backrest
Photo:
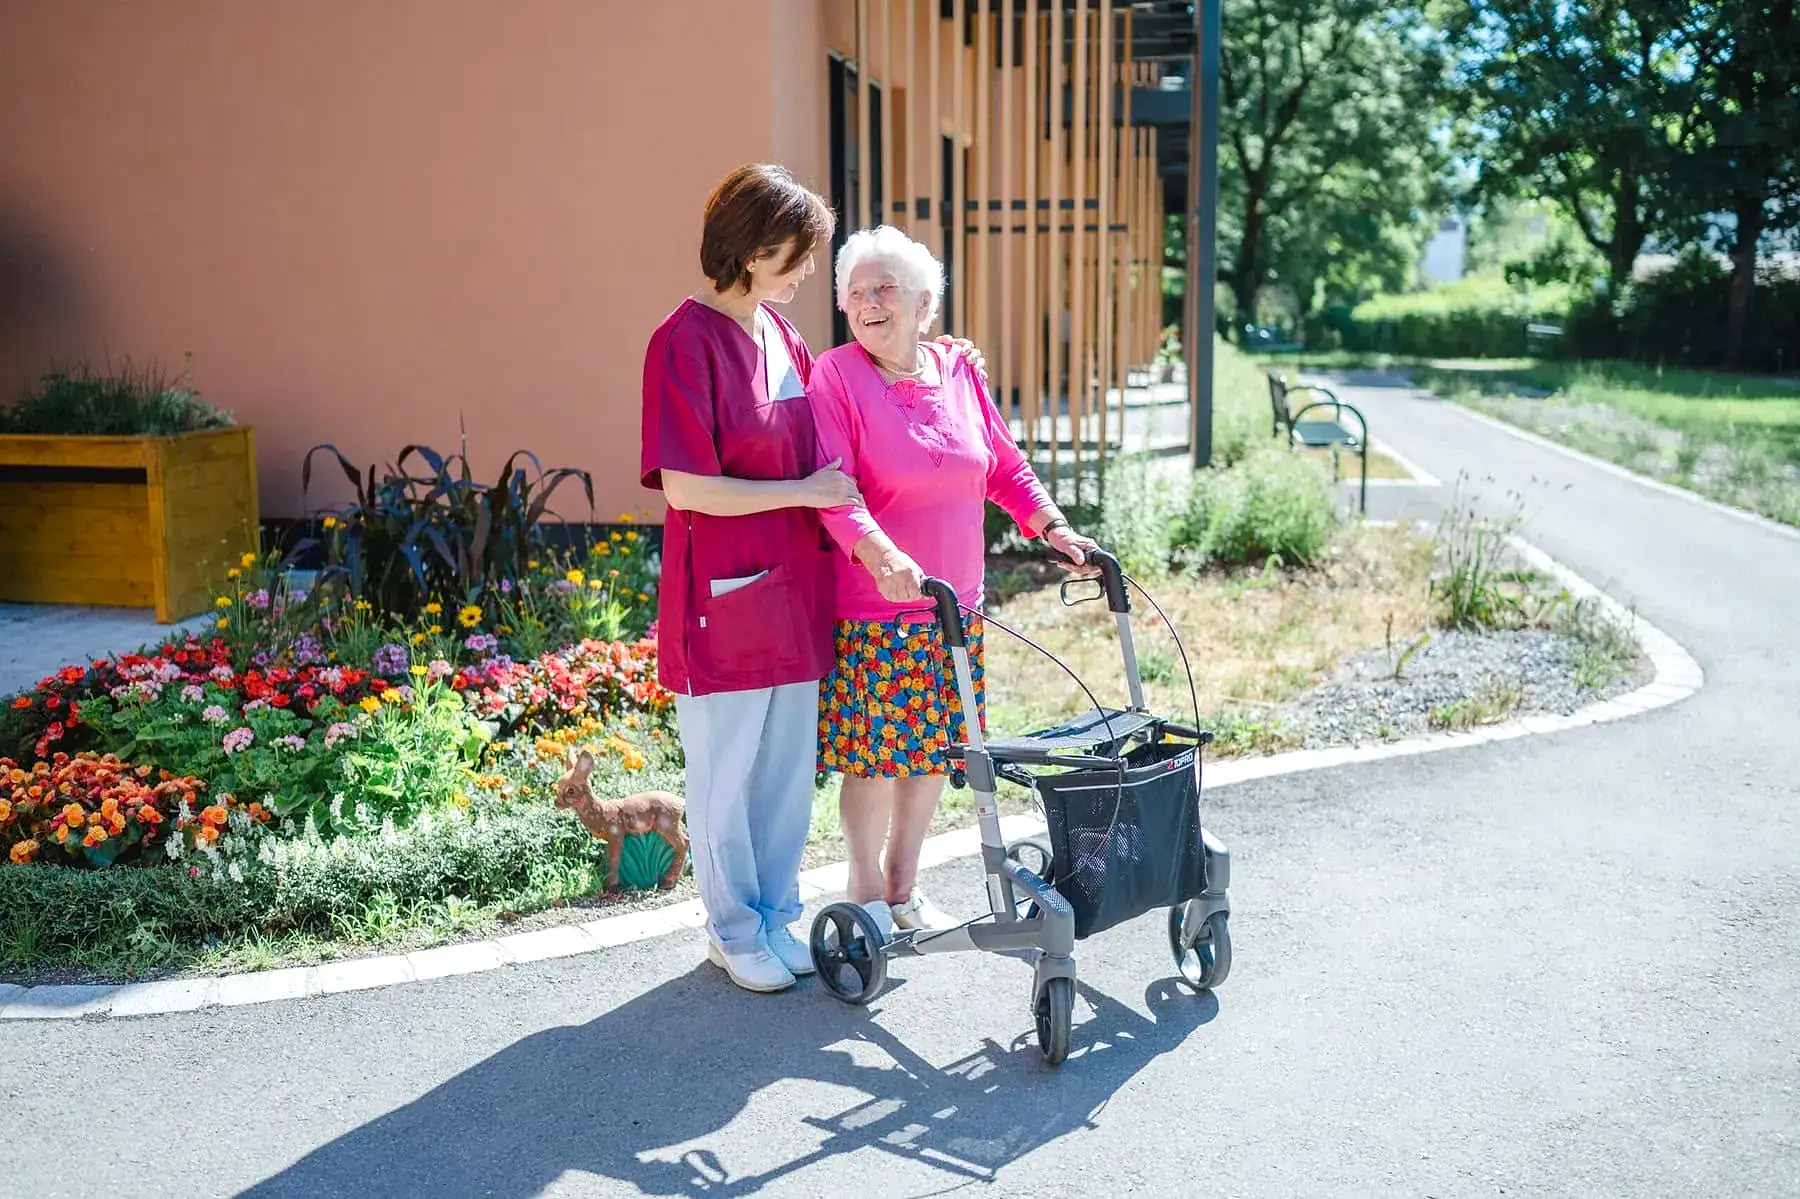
(1278, 389)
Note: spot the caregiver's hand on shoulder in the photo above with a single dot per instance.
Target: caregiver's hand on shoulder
(965, 349)
(829, 487)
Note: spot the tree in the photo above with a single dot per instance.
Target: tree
(1328, 110)
(1746, 164)
(1591, 104)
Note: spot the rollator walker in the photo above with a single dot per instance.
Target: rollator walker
(1120, 789)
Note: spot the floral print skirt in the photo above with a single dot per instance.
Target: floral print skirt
(890, 708)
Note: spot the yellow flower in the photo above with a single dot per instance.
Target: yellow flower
(469, 617)
(531, 565)
(624, 518)
(233, 573)
(461, 800)
(631, 536)
(596, 584)
(615, 537)
(391, 696)
(364, 606)
(505, 630)
(433, 608)
(418, 639)
(330, 522)
(643, 598)
(576, 577)
(223, 623)
(247, 561)
(419, 670)
(370, 704)
(224, 601)
(436, 629)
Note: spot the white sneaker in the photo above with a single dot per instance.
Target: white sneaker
(881, 914)
(791, 950)
(757, 970)
(920, 913)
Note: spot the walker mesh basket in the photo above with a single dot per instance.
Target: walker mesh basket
(1123, 847)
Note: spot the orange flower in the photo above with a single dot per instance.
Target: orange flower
(5, 811)
(109, 808)
(95, 835)
(149, 815)
(73, 816)
(23, 852)
(207, 834)
(23, 702)
(216, 816)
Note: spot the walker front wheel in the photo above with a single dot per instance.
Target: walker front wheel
(1055, 1016)
(1203, 949)
(846, 949)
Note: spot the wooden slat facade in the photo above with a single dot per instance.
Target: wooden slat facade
(1004, 146)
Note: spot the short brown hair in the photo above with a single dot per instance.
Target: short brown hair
(757, 209)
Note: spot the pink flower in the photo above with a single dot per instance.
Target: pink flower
(290, 742)
(192, 694)
(215, 715)
(238, 739)
(338, 732)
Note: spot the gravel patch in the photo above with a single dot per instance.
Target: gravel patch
(1456, 679)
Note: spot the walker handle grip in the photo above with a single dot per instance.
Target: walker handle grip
(949, 611)
(1112, 578)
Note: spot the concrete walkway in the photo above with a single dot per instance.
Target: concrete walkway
(39, 639)
(1559, 965)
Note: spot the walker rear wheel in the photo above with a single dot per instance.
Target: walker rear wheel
(1055, 1015)
(846, 949)
(1203, 951)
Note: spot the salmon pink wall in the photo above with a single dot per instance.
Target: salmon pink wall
(370, 221)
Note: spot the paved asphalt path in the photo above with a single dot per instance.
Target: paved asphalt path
(1558, 965)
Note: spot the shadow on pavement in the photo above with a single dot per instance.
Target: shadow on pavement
(644, 1094)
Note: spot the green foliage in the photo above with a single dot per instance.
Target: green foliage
(1475, 317)
(283, 761)
(1141, 503)
(425, 530)
(129, 402)
(369, 885)
(402, 760)
(1683, 317)
(1328, 114)
(1274, 503)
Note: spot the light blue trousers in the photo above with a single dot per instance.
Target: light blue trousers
(751, 760)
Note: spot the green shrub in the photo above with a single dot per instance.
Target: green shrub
(1140, 507)
(132, 402)
(1477, 317)
(1272, 503)
(425, 530)
(51, 914)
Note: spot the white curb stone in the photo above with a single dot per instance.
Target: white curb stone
(1677, 676)
(266, 986)
(455, 959)
(364, 973)
(560, 942)
(157, 998)
(67, 1002)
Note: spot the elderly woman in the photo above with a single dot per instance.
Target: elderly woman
(917, 432)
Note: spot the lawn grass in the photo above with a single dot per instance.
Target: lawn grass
(1254, 638)
(1732, 438)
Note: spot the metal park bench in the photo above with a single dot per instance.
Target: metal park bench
(1319, 433)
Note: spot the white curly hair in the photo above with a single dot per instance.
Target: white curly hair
(916, 268)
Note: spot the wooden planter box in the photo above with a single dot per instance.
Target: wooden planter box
(137, 522)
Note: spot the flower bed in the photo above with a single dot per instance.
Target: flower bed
(343, 761)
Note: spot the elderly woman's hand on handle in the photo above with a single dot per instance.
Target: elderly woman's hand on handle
(1072, 548)
(896, 575)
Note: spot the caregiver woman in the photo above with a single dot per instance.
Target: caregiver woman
(744, 610)
(928, 449)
